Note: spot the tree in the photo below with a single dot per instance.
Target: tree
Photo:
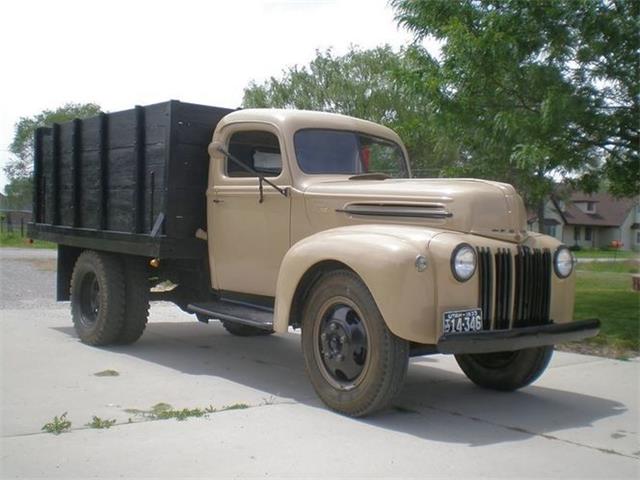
(534, 90)
(19, 194)
(19, 169)
(367, 84)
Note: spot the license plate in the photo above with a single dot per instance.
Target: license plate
(461, 321)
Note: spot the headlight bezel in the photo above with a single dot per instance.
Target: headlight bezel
(556, 268)
(452, 261)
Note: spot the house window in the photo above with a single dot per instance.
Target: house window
(591, 207)
(550, 230)
(576, 234)
(638, 237)
(587, 234)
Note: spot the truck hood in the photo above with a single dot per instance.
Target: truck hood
(481, 207)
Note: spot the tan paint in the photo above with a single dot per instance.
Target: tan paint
(266, 248)
(248, 239)
(384, 257)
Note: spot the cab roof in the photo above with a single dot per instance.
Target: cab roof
(290, 121)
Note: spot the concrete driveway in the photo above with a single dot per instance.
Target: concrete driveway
(580, 420)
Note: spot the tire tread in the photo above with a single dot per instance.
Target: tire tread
(107, 269)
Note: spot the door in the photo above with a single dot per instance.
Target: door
(248, 238)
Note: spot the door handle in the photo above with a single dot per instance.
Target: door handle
(217, 200)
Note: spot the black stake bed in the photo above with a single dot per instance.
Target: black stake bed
(129, 182)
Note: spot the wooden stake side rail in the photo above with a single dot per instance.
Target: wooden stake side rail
(132, 182)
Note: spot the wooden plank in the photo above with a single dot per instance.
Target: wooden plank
(122, 129)
(77, 179)
(104, 171)
(140, 151)
(55, 174)
(47, 169)
(37, 176)
(119, 205)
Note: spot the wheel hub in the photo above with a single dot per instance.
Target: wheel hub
(343, 343)
(90, 300)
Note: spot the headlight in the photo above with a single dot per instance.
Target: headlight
(563, 262)
(463, 262)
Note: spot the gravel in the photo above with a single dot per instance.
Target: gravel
(28, 279)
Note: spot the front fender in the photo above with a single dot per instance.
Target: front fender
(384, 258)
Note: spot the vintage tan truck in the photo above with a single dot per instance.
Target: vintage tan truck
(270, 219)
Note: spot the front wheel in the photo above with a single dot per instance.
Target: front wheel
(506, 371)
(355, 364)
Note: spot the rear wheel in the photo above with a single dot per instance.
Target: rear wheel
(355, 364)
(506, 371)
(137, 300)
(97, 297)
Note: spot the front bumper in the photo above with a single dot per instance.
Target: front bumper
(517, 338)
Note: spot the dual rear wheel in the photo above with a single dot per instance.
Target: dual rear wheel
(109, 298)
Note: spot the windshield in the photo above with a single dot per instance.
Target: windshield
(350, 153)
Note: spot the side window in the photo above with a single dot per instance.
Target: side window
(258, 150)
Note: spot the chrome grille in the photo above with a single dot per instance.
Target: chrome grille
(514, 291)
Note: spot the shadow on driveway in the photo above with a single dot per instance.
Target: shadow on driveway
(435, 404)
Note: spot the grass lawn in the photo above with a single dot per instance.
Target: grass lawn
(603, 290)
(606, 254)
(14, 239)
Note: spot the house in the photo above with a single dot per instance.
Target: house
(592, 220)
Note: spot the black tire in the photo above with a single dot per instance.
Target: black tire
(506, 371)
(97, 297)
(244, 330)
(355, 364)
(137, 300)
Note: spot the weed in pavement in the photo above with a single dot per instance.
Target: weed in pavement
(57, 425)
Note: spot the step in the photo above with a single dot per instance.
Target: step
(236, 312)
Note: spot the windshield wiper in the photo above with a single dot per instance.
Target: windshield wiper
(283, 191)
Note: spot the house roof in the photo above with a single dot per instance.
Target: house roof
(609, 211)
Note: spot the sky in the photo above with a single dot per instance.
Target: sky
(137, 52)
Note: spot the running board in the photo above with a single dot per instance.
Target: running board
(236, 312)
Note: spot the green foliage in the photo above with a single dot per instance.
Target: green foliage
(372, 84)
(164, 411)
(19, 169)
(101, 423)
(235, 406)
(528, 89)
(58, 425)
(19, 196)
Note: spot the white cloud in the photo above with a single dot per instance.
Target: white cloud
(122, 53)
